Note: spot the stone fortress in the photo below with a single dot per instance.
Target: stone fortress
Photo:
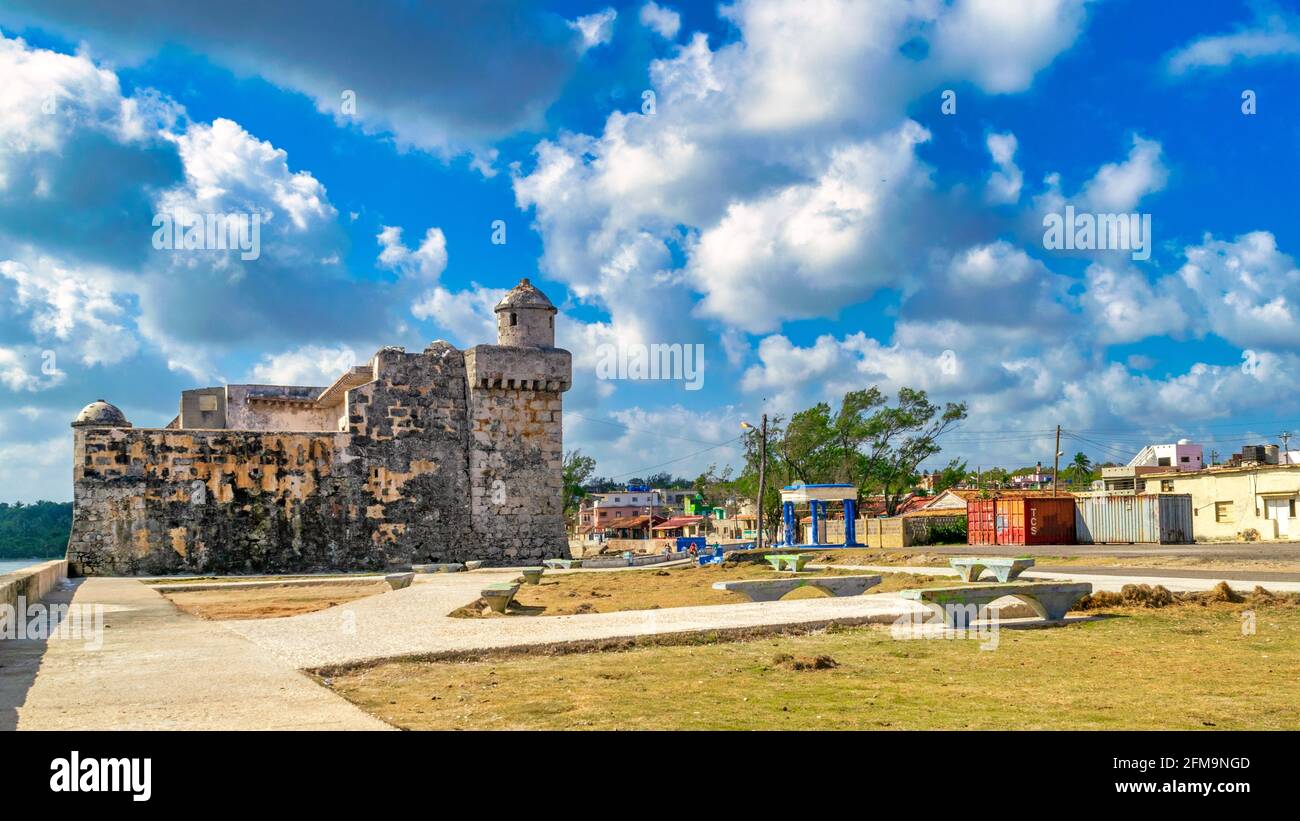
(442, 455)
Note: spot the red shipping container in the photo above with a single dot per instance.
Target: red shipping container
(1032, 520)
(981, 522)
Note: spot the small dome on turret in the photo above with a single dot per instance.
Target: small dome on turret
(524, 295)
(100, 414)
(526, 318)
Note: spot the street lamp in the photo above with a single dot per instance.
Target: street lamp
(762, 476)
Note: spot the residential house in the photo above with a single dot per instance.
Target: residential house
(1181, 456)
(1256, 501)
(679, 526)
(598, 510)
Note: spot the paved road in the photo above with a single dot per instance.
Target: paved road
(1105, 578)
(1259, 551)
(1175, 573)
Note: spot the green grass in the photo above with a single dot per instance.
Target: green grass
(1183, 667)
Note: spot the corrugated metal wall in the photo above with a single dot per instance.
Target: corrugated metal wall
(1125, 518)
(981, 522)
(1017, 520)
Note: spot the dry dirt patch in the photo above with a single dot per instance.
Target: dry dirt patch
(272, 601)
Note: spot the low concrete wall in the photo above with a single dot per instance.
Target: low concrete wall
(32, 583)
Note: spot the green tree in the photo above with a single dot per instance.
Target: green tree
(867, 442)
(1081, 468)
(34, 531)
(577, 470)
(952, 475)
(900, 438)
(994, 478)
(778, 473)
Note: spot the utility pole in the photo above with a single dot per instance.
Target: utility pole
(762, 481)
(1056, 459)
(1214, 458)
(1285, 436)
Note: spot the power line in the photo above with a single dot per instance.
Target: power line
(678, 459)
(647, 432)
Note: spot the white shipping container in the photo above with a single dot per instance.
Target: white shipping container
(1128, 518)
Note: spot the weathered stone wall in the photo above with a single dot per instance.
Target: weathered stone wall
(517, 453)
(434, 465)
(165, 501)
(245, 412)
(409, 429)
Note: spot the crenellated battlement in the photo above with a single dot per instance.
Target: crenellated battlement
(440, 455)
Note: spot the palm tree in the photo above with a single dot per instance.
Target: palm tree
(1081, 466)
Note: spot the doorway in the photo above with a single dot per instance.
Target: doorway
(1281, 511)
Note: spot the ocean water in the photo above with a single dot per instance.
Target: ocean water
(10, 565)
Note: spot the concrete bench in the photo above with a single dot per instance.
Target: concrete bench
(399, 580)
(773, 589)
(970, 567)
(1050, 600)
(498, 596)
(562, 564)
(532, 575)
(788, 561)
(438, 567)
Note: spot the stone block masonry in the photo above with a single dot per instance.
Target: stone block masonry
(438, 456)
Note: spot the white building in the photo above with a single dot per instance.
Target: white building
(1181, 456)
(640, 497)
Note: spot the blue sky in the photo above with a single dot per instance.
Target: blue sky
(798, 203)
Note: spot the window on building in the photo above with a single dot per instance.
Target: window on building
(1291, 504)
(1223, 512)
(1185, 459)
(1163, 462)
(514, 319)
(1166, 485)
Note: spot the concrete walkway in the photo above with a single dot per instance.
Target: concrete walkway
(158, 668)
(414, 621)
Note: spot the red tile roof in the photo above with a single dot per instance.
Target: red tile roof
(679, 521)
